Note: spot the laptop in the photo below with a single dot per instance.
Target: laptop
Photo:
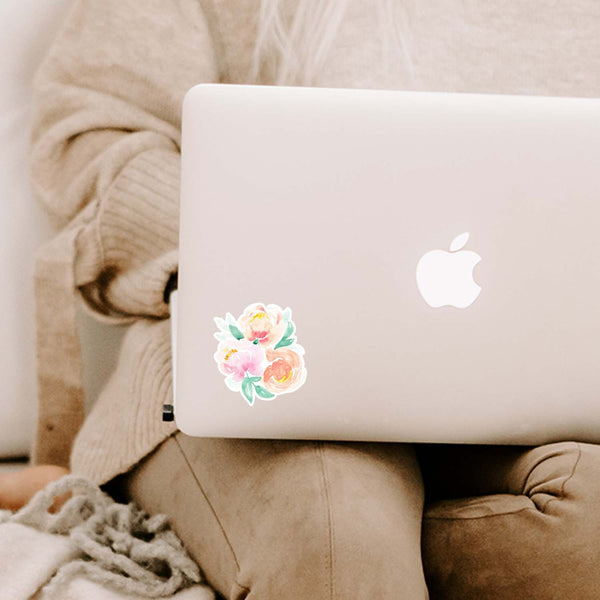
(388, 265)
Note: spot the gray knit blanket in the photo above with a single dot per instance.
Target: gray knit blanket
(92, 548)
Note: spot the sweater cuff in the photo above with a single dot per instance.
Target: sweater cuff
(128, 250)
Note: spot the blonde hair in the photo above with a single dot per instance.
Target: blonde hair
(293, 50)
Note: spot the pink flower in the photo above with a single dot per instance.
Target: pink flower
(263, 323)
(238, 357)
(286, 371)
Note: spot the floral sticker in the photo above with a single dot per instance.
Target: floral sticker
(258, 352)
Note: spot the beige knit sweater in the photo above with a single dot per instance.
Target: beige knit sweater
(105, 162)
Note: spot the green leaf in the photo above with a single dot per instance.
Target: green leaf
(284, 342)
(254, 379)
(289, 330)
(263, 392)
(248, 390)
(235, 332)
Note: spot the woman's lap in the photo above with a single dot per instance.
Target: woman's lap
(281, 519)
(277, 519)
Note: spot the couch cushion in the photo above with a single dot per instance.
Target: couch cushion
(26, 31)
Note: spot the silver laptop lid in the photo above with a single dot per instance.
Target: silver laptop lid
(374, 265)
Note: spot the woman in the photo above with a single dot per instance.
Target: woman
(269, 519)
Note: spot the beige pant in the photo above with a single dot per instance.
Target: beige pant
(275, 520)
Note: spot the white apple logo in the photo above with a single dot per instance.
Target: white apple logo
(446, 278)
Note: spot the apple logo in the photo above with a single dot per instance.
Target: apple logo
(446, 278)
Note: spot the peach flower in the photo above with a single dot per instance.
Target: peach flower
(263, 323)
(286, 371)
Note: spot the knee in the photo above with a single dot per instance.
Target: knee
(549, 473)
(538, 541)
(562, 483)
(346, 526)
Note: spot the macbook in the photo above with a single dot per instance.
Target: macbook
(388, 265)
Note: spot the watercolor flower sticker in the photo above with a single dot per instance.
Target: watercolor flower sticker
(258, 353)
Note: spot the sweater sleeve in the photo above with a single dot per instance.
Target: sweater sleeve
(106, 138)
